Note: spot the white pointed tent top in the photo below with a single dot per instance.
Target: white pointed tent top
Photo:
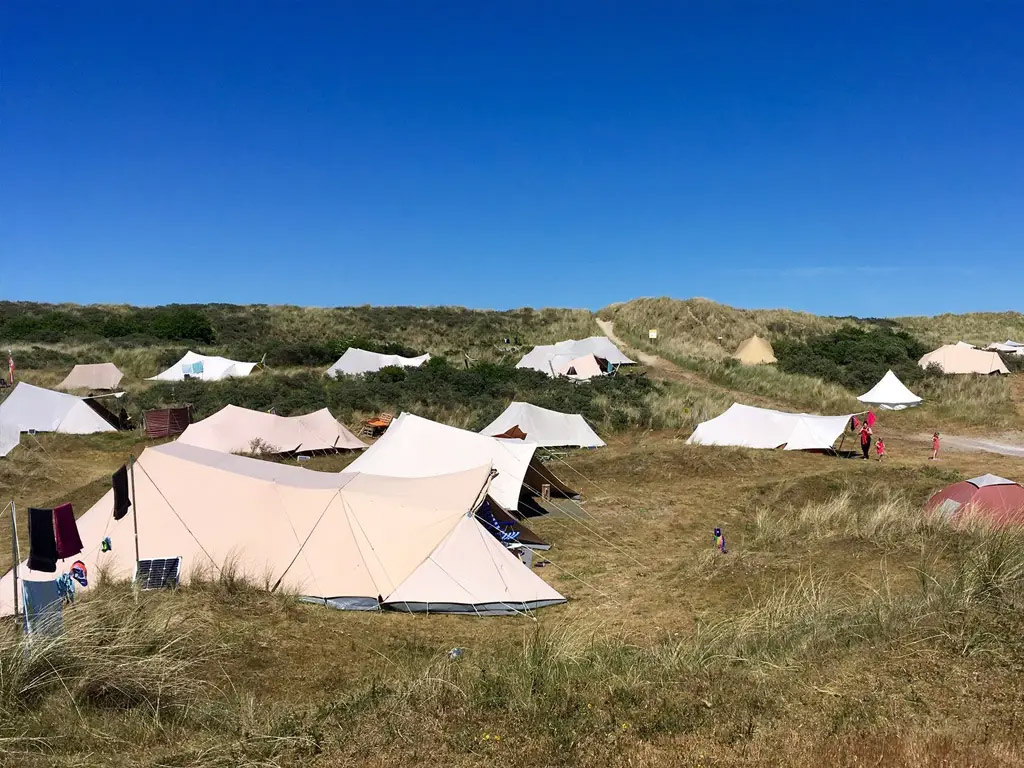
(204, 368)
(34, 408)
(985, 480)
(749, 427)
(92, 376)
(236, 430)
(416, 447)
(356, 361)
(545, 427)
(552, 359)
(890, 393)
(341, 538)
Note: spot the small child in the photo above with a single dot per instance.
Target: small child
(880, 448)
(935, 446)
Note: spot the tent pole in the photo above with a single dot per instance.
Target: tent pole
(135, 514)
(16, 552)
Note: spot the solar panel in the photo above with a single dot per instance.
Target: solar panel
(158, 573)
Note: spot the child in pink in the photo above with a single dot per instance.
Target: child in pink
(935, 446)
(880, 448)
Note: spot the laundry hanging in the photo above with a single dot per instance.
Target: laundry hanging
(42, 545)
(65, 531)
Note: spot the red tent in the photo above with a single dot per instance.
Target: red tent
(990, 498)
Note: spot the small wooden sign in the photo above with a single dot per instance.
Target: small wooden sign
(652, 334)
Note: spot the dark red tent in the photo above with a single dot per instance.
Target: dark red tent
(989, 498)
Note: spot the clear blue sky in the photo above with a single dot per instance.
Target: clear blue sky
(840, 158)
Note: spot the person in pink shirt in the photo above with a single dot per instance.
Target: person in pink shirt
(880, 448)
(935, 446)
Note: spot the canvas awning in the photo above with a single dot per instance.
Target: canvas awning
(241, 430)
(544, 427)
(749, 427)
(357, 361)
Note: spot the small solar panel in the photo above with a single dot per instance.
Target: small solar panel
(158, 573)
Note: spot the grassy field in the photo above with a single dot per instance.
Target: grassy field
(843, 627)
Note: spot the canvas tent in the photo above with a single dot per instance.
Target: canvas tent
(204, 368)
(343, 539)
(356, 361)
(555, 359)
(749, 427)
(10, 437)
(43, 410)
(92, 376)
(952, 358)
(544, 427)
(418, 447)
(988, 498)
(891, 394)
(1008, 347)
(239, 430)
(964, 345)
(755, 351)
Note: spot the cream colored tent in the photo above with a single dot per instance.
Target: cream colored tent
(240, 430)
(418, 447)
(553, 359)
(544, 427)
(43, 410)
(92, 376)
(749, 427)
(755, 351)
(891, 394)
(348, 540)
(583, 368)
(204, 368)
(357, 361)
(953, 358)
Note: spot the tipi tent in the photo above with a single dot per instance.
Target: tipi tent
(953, 358)
(418, 447)
(239, 430)
(989, 498)
(33, 408)
(749, 427)
(356, 361)
(544, 427)
(348, 540)
(755, 351)
(554, 359)
(10, 436)
(92, 376)
(205, 368)
(891, 394)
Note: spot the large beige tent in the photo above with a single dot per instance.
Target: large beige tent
(418, 447)
(92, 376)
(32, 408)
(239, 430)
(755, 351)
(555, 359)
(348, 540)
(749, 427)
(953, 358)
(544, 427)
(357, 361)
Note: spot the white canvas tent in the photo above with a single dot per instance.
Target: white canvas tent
(356, 361)
(955, 359)
(418, 447)
(891, 394)
(1008, 347)
(204, 368)
(343, 539)
(554, 359)
(544, 427)
(749, 427)
(34, 408)
(92, 376)
(240, 430)
(10, 437)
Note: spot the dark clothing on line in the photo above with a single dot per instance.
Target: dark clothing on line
(42, 545)
(121, 500)
(65, 530)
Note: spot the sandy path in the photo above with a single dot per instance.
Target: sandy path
(980, 444)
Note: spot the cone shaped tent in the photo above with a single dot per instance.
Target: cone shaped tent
(43, 410)
(92, 376)
(954, 358)
(205, 368)
(240, 430)
(544, 427)
(988, 498)
(356, 361)
(749, 427)
(344, 539)
(891, 394)
(755, 351)
(553, 359)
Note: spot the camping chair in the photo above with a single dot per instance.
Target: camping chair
(503, 530)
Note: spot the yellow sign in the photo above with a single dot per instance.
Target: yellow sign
(653, 333)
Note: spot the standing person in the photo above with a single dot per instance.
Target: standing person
(865, 440)
(880, 448)
(935, 446)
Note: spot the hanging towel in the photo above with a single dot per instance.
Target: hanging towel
(871, 418)
(43, 608)
(65, 530)
(42, 546)
(121, 500)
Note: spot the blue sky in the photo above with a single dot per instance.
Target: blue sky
(845, 158)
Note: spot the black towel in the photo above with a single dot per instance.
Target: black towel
(42, 544)
(121, 500)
